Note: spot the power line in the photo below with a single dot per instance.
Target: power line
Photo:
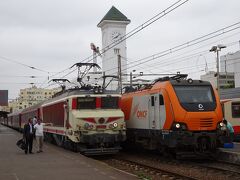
(25, 65)
(137, 29)
(186, 58)
(183, 45)
(140, 28)
(163, 63)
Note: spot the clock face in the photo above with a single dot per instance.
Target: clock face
(115, 36)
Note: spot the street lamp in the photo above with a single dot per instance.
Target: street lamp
(216, 49)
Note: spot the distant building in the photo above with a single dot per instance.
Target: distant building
(230, 63)
(230, 93)
(31, 96)
(226, 80)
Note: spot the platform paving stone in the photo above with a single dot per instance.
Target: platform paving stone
(53, 163)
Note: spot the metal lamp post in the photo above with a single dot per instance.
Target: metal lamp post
(216, 49)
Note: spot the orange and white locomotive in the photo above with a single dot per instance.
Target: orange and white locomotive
(180, 115)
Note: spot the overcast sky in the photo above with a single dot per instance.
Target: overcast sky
(51, 35)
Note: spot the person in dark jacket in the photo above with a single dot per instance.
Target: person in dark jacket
(28, 134)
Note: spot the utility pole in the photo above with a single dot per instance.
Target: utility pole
(218, 85)
(119, 73)
(216, 49)
(226, 68)
(131, 77)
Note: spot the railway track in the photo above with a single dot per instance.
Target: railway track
(144, 171)
(149, 166)
(225, 167)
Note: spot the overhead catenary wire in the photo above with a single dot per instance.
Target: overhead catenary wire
(183, 59)
(139, 28)
(22, 64)
(182, 46)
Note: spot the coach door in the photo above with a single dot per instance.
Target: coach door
(154, 111)
(157, 112)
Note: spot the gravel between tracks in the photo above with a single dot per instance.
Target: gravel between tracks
(149, 166)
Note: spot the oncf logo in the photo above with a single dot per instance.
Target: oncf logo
(141, 114)
(200, 106)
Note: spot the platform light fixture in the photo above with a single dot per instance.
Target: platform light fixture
(216, 49)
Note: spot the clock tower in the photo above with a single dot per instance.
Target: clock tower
(113, 26)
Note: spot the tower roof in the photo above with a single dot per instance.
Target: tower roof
(114, 15)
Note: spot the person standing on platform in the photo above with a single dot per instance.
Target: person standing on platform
(28, 133)
(39, 134)
(230, 130)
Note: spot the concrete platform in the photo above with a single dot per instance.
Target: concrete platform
(53, 163)
(231, 155)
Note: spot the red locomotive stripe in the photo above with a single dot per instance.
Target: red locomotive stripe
(91, 120)
(101, 126)
(236, 129)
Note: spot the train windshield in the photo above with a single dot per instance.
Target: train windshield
(86, 103)
(110, 102)
(194, 94)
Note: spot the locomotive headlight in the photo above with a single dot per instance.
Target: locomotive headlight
(190, 81)
(115, 124)
(222, 126)
(177, 125)
(100, 90)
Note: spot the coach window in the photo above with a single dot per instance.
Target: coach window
(161, 101)
(236, 110)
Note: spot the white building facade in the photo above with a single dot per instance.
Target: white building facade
(230, 63)
(31, 96)
(226, 80)
(113, 26)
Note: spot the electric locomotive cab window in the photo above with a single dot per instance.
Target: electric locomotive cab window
(109, 102)
(236, 109)
(196, 98)
(86, 103)
(194, 94)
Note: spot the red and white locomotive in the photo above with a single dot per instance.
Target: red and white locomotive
(84, 119)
